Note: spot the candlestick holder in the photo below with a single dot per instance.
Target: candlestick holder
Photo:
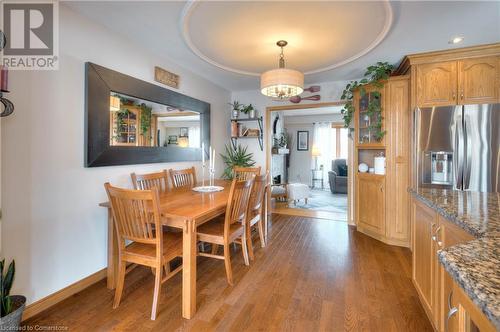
(203, 166)
(212, 176)
(8, 105)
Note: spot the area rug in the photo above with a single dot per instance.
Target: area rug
(323, 200)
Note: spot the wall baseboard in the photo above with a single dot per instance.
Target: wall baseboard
(51, 300)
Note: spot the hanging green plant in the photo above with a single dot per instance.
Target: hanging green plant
(146, 112)
(374, 75)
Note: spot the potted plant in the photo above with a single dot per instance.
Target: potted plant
(236, 158)
(249, 110)
(236, 107)
(11, 306)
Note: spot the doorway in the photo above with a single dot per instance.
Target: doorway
(308, 156)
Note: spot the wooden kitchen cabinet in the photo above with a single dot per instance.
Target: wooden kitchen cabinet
(447, 235)
(437, 84)
(431, 233)
(467, 81)
(382, 201)
(478, 80)
(371, 202)
(424, 224)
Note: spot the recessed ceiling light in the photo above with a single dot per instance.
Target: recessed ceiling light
(456, 40)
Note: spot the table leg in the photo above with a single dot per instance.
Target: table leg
(189, 269)
(112, 270)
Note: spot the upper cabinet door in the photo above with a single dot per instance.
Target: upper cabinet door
(478, 81)
(437, 84)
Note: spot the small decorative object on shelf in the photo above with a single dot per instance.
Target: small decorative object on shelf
(249, 110)
(4, 88)
(236, 108)
(363, 168)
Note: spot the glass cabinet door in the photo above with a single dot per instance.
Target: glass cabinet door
(367, 120)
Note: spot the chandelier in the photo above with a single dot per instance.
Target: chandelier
(281, 83)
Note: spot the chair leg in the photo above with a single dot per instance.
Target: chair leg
(156, 293)
(119, 283)
(227, 262)
(244, 248)
(215, 248)
(249, 243)
(261, 234)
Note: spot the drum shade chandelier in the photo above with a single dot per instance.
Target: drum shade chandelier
(282, 83)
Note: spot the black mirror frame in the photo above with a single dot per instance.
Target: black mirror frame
(99, 83)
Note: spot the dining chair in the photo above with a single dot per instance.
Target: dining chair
(136, 216)
(148, 181)
(183, 177)
(255, 213)
(226, 230)
(245, 173)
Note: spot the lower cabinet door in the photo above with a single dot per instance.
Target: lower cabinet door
(424, 223)
(371, 202)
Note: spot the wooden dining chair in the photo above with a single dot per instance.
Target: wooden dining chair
(136, 216)
(148, 181)
(183, 177)
(255, 213)
(245, 173)
(224, 231)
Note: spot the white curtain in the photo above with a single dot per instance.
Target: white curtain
(323, 141)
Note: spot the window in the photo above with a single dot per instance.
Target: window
(339, 141)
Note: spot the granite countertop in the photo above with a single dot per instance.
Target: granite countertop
(474, 265)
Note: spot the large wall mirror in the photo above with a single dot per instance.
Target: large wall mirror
(129, 121)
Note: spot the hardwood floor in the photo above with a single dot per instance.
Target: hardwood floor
(314, 275)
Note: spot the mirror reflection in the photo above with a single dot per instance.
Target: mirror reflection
(138, 122)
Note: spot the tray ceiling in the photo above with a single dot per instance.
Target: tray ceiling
(321, 35)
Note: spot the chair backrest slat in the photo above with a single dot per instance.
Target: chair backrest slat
(148, 181)
(237, 205)
(136, 214)
(183, 177)
(245, 173)
(257, 196)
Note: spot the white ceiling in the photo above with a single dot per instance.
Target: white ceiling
(232, 30)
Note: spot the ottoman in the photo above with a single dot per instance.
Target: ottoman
(298, 191)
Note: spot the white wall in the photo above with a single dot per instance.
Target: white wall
(301, 161)
(52, 225)
(330, 92)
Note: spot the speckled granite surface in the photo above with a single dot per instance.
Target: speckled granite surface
(475, 265)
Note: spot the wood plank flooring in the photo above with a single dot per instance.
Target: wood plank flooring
(315, 275)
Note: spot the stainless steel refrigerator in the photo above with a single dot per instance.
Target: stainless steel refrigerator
(458, 147)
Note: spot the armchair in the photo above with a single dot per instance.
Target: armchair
(337, 177)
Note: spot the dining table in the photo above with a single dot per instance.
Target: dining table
(184, 209)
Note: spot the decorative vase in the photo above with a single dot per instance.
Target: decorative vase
(252, 114)
(12, 321)
(235, 114)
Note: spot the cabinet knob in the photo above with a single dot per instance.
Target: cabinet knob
(381, 189)
(454, 95)
(462, 94)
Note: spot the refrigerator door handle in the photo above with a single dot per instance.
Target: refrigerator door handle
(459, 160)
(467, 155)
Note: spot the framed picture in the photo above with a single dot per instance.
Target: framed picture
(302, 140)
(184, 132)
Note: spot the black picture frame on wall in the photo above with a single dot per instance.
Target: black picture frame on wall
(99, 83)
(302, 140)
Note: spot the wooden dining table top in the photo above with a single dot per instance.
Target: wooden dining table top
(186, 203)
